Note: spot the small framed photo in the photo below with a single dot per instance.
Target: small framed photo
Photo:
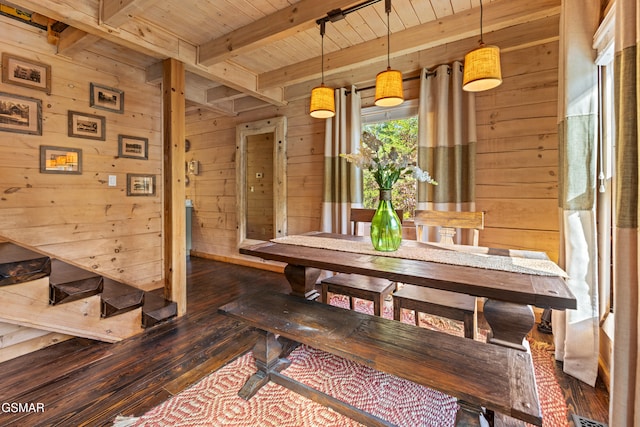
(60, 160)
(106, 98)
(83, 125)
(20, 114)
(133, 147)
(25, 72)
(141, 185)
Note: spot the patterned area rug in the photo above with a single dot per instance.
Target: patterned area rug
(214, 400)
(552, 402)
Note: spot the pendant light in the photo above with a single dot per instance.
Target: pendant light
(323, 104)
(482, 66)
(389, 82)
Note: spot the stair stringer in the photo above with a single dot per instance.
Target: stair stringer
(27, 304)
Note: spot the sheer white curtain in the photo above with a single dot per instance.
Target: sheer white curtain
(576, 331)
(447, 143)
(625, 382)
(342, 181)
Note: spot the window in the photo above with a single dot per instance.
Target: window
(604, 44)
(397, 126)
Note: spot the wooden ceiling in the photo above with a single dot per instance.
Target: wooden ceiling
(241, 54)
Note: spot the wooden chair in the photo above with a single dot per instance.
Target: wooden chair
(447, 304)
(448, 222)
(357, 286)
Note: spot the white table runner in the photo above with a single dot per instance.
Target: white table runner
(468, 256)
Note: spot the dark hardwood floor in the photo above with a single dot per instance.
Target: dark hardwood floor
(82, 382)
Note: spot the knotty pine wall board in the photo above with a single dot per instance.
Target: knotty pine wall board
(78, 217)
(517, 153)
(516, 165)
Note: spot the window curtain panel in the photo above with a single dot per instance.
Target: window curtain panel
(576, 331)
(342, 181)
(625, 383)
(447, 145)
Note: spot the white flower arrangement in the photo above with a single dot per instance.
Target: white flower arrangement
(386, 164)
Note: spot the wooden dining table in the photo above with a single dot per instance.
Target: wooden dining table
(510, 290)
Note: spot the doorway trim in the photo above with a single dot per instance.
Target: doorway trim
(277, 126)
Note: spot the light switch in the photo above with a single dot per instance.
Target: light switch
(112, 181)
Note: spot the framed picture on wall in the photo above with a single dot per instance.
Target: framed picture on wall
(133, 147)
(25, 72)
(20, 114)
(83, 125)
(141, 185)
(106, 98)
(60, 160)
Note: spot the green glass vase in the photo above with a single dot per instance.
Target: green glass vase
(386, 228)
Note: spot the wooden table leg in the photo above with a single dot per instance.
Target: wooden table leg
(302, 280)
(267, 354)
(510, 323)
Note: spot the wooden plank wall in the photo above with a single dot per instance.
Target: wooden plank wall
(259, 209)
(516, 164)
(16, 340)
(213, 144)
(517, 153)
(79, 217)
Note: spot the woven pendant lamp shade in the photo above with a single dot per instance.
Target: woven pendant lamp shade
(482, 69)
(322, 105)
(389, 88)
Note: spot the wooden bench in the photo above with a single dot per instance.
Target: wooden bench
(354, 285)
(361, 287)
(451, 305)
(479, 375)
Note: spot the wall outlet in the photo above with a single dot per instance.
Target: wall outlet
(259, 175)
(112, 181)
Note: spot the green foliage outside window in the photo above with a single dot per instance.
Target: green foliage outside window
(403, 135)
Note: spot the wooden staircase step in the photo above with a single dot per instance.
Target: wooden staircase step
(157, 309)
(28, 304)
(18, 264)
(118, 298)
(70, 283)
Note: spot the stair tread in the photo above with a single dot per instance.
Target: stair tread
(157, 309)
(62, 272)
(115, 289)
(118, 298)
(70, 283)
(154, 301)
(19, 264)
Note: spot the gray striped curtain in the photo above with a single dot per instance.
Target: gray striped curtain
(576, 332)
(625, 382)
(447, 144)
(342, 181)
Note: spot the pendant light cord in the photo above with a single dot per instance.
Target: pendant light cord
(322, 28)
(481, 13)
(387, 7)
